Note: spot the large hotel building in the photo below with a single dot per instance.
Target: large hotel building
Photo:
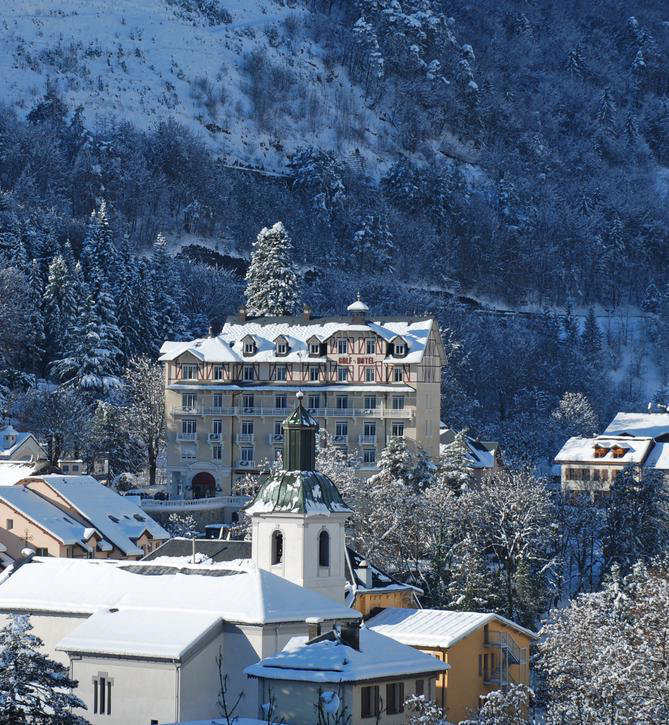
(364, 380)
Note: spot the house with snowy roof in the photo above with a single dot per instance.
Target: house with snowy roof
(74, 517)
(483, 455)
(21, 455)
(637, 439)
(365, 379)
(353, 671)
(148, 641)
(484, 651)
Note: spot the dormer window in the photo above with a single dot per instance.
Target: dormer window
(281, 348)
(249, 348)
(400, 349)
(315, 349)
(618, 452)
(600, 451)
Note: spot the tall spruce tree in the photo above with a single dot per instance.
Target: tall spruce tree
(171, 323)
(33, 688)
(60, 306)
(272, 287)
(99, 256)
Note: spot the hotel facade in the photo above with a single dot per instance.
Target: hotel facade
(364, 380)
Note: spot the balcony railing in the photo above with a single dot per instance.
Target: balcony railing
(255, 411)
(150, 504)
(367, 440)
(181, 436)
(340, 440)
(274, 438)
(245, 437)
(246, 464)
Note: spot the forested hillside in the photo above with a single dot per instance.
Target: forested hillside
(419, 151)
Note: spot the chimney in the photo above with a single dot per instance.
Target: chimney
(313, 627)
(364, 572)
(242, 314)
(306, 312)
(350, 634)
(210, 331)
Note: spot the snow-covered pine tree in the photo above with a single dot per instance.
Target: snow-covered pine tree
(373, 245)
(170, 322)
(591, 340)
(271, 281)
(37, 346)
(504, 707)
(99, 255)
(33, 688)
(454, 469)
(575, 416)
(60, 306)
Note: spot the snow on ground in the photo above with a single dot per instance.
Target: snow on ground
(150, 60)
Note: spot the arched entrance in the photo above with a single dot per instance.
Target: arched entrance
(203, 485)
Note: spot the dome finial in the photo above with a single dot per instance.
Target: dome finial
(299, 395)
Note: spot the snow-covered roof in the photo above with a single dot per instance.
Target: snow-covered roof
(358, 306)
(481, 453)
(12, 440)
(582, 450)
(140, 632)
(235, 594)
(434, 627)
(45, 514)
(227, 347)
(639, 425)
(331, 660)
(11, 472)
(304, 492)
(117, 518)
(658, 458)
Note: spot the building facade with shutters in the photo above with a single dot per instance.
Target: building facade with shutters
(364, 380)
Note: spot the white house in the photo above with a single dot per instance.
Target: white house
(21, 455)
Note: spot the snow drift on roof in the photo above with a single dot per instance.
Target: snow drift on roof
(330, 660)
(582, 450)
(639, 424)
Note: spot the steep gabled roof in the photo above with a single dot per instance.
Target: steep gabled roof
(639, 425)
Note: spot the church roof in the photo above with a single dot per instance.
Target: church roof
(299, 492)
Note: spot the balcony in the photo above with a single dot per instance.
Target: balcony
(369, 440)
(340, 440)
(184, 437)
(245, 437)
(275, 438)
(218, 410)
(397, 413)
(186, 410)
(214, 438)
(246, 464)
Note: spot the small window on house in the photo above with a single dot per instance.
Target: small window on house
(619, 452)
(342, 374)
(248, 372)
(370, 346)
(324, 549)
(480, 665)
(218, 372)
(341, 402)
(42, 551)
(400, 348)
(314, 402)
(398, 375)
(280, 372)
(395, 698)
(600, 451)
(216, 452)
(102, 691)
(420, 686)
(370, 402)
(398, 402)
(280, 402)
(369, 701)
(281, 348)
(369, 456)
(397, 429)
(277, 547)
(249, 347)
(248, 402)
(188, 372)
(313, 372)
(10, 524)
(315, 349)
(369, 375)
(342, 346)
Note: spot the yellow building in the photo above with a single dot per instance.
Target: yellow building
(365, 379)
(485, 651)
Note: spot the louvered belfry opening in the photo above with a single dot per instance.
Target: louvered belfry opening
(299, 439)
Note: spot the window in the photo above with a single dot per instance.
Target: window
(278, 454)
(342, 346)
(400, 348)
(248, 372)
(618, 452)
(369, 701)
(314, 402)
(485, 667)
(281, 348)
(369, 456)
(217, 400)
(188, 425)
(315, 349)
(249, 347)
(370, 402)
(188, 372)
(41, 551)
(341, 402)
(324, 549)
(216, 452)
(188, 453)
(369, 375)
(277, 547)
(188, 401)
(102, 686)
(313, 372)
(398, 402)
(247, 454)
(420, 685)
(247, 427)
(10, 524)
(395, 698)
(370, 346)
(75, 467)
(398, 375)
(397, 429)
(217, 427)
(280, 402)
(280, 372)
(278, 428)
(248, 402)
(600, 451)
(369, 429)
(342, 374)
(341, 428)
(218, 372)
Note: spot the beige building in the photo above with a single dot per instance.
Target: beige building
(364, 380)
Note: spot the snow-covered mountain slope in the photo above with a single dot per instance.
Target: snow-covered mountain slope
(249, 79)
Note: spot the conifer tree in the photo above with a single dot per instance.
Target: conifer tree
(271, 280)
(591, 339)
(60, 306)
(98, 252)
(33, 688)
(37, 346)
(373, 245)
(171, 323)
(454, 469)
